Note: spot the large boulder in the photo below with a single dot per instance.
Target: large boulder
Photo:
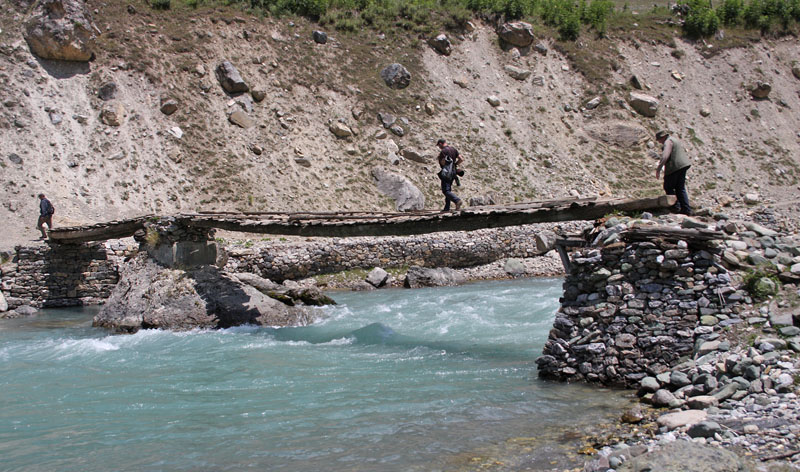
(396, 76)
(441, 44)
(149, 295)
(230, 79)
(517, 73)
(686, 456)
(517, 33)
(406, 195)
(418, 277)
(61, 30)
(644, 105)
(377, 277)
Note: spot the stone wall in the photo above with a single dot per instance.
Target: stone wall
(280, 261)
(635, 309)
(69, 275)
(62, 275)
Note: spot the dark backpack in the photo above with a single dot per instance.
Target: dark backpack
(448, 171)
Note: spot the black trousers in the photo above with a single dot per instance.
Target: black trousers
(675, 184)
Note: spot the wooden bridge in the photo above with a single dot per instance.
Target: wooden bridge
(346, 224)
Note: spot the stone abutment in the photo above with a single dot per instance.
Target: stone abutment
(632, 309)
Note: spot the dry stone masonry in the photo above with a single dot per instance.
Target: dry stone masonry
(62, 275)
(633, 308)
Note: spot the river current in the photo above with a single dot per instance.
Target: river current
(389, 380)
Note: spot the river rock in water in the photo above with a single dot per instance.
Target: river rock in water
(417, 277)
(151, 296)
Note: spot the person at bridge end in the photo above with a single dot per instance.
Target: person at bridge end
(46, 211)
(449, 159)
(675, 163)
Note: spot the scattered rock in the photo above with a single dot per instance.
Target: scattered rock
(340, 130)
(112, 115)
(645, 105)
(441, 44)
(3, 303)
(541, 48)
(517, 33)
(61, 30)
(14, 158)
(705, 111)
(414, 155)
(258, 95)
(241, 119)
(168, 105)
(396, 76)
(461, 81)
(682, 418)
(514, 266)
(230, 79)
(320, 37)
(377, 277)
(593, 103)
(493, 100)
(752, 198)
(406, 195)
(517, 73)
(107, 91)
(760, 90)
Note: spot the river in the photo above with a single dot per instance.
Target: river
(389, 380)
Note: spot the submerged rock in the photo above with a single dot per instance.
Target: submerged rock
(149, 295)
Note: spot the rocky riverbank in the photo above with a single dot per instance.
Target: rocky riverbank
(727, 397)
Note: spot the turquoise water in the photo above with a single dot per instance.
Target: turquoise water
(388, 380)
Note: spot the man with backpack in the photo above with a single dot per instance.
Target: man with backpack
(449, 159)
(46, 211)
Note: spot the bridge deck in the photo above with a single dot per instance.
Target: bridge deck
(345, 224)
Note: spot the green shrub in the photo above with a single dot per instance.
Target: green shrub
(701, 21)
(160, 4)
(597, 13)
(760, 284)
(730, 12)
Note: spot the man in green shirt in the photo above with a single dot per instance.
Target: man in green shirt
(675, 163)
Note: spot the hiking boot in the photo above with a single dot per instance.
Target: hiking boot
(458, 205)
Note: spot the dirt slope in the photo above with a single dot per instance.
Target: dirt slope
(539, 143)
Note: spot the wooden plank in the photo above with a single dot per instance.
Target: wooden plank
(377, 223)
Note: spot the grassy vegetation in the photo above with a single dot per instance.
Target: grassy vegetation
(567, 18)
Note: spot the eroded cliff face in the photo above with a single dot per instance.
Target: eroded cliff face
(147, 127)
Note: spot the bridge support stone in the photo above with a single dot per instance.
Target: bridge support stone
(174, 244)
(185, 254)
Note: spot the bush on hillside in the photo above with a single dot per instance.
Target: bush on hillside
(701, 20)
(160, 4)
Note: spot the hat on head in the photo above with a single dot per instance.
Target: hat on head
(662, 134)
(440, 142)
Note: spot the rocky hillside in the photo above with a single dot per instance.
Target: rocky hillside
(147, 125)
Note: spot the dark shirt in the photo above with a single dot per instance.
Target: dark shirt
(45, 207)
(448, 151)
